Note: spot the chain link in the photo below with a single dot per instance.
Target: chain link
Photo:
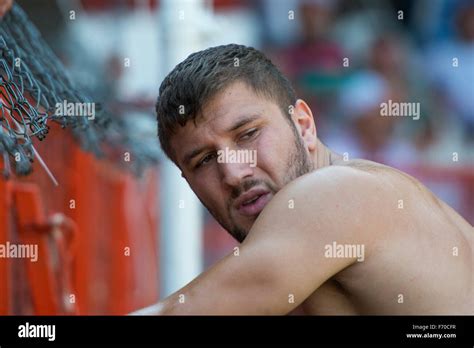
(32, 82)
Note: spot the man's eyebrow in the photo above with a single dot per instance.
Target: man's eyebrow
(187, 158)
(242, 122)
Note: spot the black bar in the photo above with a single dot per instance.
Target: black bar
(192, 330)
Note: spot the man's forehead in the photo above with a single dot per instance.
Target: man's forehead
(235, 100)
(225, 109)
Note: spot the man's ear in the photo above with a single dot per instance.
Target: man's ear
(304, 122)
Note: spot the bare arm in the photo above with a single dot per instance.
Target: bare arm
(282, 261)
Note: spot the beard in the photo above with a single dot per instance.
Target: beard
(298, 164)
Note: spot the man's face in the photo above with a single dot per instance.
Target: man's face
(241, 123)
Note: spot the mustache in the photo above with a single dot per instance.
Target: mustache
(247, 185)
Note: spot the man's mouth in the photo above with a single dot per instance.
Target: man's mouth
(252, 202)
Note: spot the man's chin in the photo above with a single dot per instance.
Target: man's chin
(238, 234)
(244, 227)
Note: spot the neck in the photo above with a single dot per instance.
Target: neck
(324, 157)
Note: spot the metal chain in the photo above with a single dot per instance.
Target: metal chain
(32, 82)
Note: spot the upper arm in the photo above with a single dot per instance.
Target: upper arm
(282, 260)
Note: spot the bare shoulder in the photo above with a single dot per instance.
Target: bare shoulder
(393, 180)
(354, 198)
(403, 190)
(351, 183)
(343, 201)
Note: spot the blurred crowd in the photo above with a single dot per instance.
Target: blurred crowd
(348, 57)
(344, 57)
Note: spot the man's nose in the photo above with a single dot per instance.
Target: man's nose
(234, 173)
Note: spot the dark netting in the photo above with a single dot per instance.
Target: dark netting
(32, 82)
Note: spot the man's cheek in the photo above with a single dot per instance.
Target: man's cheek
(217, 204)
(270, 148)
(204, 187)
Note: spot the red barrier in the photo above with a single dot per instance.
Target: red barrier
(111, 268)
(5, 235)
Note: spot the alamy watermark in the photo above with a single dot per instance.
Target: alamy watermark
(237, 156)
(406, 109)
(19, 251)
(75, 109)
(28, 330)
(336, 250)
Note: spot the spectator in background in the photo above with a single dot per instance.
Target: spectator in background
(314, 62)
(314, 50)
(388, 58)
(451, 68)
(392, 58)
(365, 133)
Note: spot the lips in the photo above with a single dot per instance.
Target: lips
(252, 202)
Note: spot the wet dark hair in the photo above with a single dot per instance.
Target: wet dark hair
(197, 79)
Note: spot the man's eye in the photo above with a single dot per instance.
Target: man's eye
(249, 134)
(204, 160)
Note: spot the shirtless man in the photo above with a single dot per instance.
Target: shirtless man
(318, 234)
